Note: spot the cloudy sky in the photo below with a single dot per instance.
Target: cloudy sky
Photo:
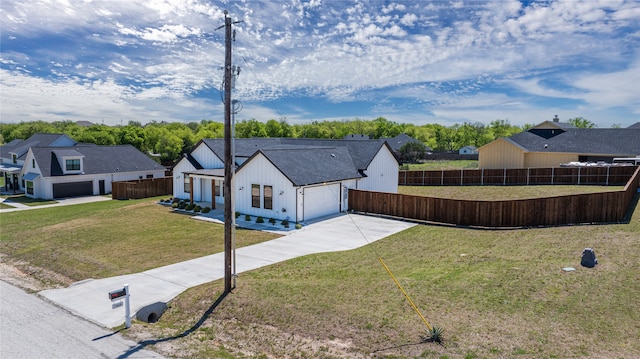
(113, 61)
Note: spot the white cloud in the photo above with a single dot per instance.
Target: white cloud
(408, 19)
(170, 50)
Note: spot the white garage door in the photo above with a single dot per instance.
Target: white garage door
(321, 201)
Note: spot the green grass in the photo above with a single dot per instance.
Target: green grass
(109, 238)
(28, 201)
(444, 165)
(495, 293)
(494, 193)
(5, 206)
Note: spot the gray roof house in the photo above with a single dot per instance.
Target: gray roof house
(13, 154)
(80, 170)
(402, 139)
(285, 178)
(550, 147)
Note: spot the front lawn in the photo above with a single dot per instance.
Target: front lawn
(496, 293)
(103, 239)
(27, 201)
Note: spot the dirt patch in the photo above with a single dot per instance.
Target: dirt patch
(28, 277)
(244, 340)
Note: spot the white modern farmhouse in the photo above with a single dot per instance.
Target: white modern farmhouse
(286, 178)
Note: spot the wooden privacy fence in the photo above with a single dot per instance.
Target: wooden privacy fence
(143, 188)
(607, 176)
(602, 207)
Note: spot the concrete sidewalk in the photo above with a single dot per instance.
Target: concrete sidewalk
(60, 202)
(89, 298)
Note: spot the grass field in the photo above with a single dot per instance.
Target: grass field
(444, 165)
(489, 193)
(497, 294)
(110, 238)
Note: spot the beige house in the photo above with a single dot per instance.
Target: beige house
(552, 143)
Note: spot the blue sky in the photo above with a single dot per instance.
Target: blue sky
(447, 62)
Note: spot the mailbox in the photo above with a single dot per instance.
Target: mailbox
(117, 294)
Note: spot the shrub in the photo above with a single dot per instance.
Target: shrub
(206, 210)
(190, 207)
(176, 200)
(247, 217)
(259, 219)
(174, 205)
(182, 205)
(197, 209)
(285, 223)
(298, 226)
(272, 220)
(237, 214)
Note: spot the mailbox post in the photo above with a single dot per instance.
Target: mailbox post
(117, 296)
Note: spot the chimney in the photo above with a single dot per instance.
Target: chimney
(556, 119)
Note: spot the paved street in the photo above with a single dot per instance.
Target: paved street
(33, 328)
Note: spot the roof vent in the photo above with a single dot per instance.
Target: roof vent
(332, 155)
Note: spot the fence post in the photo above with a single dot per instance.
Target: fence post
(423, 172)
(441, 177)
(528, 175)
(607, 180)
(482, 177)
(578, 175)
(504, 177)
(552, 174)
(461, 176)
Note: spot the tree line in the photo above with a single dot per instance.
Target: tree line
(168, 140)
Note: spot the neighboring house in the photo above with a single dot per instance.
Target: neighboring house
(552, 143)
(13, 154)
(82, 170)
(402, 139)
(468, 150)
(285, 178)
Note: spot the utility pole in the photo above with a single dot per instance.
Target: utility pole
(228, 161)
(229, 165)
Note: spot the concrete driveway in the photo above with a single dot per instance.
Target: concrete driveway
(89, 298)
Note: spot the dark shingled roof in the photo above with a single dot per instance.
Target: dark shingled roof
(362, 151)
(402, 139)
(96, 159)
(21, 147)
(330, 164)
(596, 141)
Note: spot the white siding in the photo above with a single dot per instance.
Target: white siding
(345, 193)
(382, 173)
(178, 178)
(261, 171)
(44, 187)
(206, 158)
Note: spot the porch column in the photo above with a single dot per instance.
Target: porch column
(191, 189)
(213, 193)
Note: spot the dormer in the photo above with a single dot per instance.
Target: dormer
(70, 161)
(548, 129)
